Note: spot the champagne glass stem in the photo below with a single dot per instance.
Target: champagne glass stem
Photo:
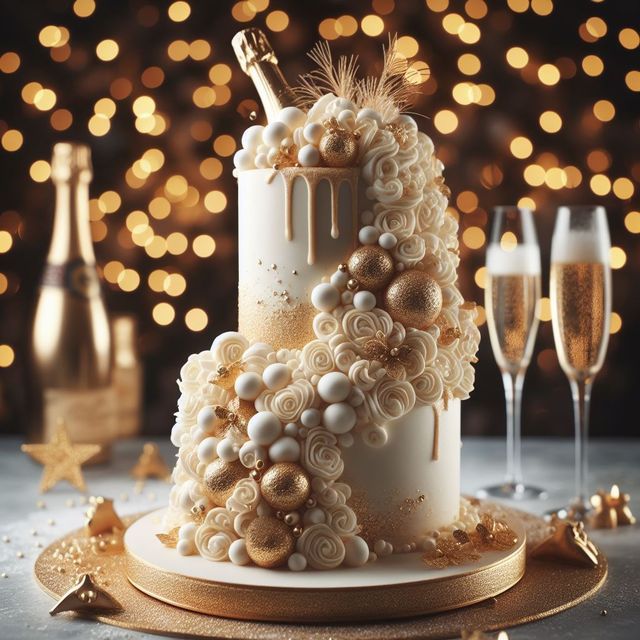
(513, 396)
(581, 391)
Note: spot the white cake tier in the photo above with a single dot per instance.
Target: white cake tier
(411, 485)
(294, 227)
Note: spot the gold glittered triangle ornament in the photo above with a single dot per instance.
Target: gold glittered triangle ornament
(150, 464)
(101, 517)
(568, 543)
(86, 597)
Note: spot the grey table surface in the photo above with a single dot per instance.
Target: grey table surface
(548, 463)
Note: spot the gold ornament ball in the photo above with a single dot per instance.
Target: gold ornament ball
(414, 298)
(220, 479)
(338, 148)
(372, 267)
(269, 542)
(285, 486)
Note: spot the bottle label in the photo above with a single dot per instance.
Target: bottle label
(90, 415)
(76, 276)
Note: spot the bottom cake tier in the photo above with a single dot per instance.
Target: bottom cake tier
(400, 586)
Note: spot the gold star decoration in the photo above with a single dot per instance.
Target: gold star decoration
(150, 464)
(611, 509)
(86, 597)
(568, 543)
(61, 458)
(101, 517)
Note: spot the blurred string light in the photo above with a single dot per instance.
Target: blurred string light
(170, 225)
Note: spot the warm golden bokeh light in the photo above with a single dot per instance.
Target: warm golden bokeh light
(617, 257)
(372, 25)
(445, 121)
(473, 237)
(632, 221)
(550, 121)
(163, 313)
(521, 147)
(7, 355)
(196, 319)
(12, 140)
(179, 11)
(107, 50)
(6, 241)
(604, 110)
(549, 74)
(204, 246)
(277, 21)
(544, 310)
(616, 322)
(9, 62)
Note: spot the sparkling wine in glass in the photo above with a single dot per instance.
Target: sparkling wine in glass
(581, 317)
(512, 296)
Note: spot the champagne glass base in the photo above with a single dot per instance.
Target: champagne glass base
(512, 491)
(576, 511)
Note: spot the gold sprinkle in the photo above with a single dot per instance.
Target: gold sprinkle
(41, 504)
(20, 554)
(6, 539)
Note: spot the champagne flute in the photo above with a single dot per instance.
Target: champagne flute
(581, 317)
(512, 296)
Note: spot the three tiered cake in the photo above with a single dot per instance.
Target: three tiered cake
(326, 431)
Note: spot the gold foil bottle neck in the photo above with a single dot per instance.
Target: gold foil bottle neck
(71, 160)
(251, 45)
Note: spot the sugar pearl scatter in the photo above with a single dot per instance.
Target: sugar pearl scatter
(325, 297)
(238, 552)
(297, 562)
(383, 548)
(250, 452)
(313, 132)
(285, 449)
(248, 385)
(207, 450)
(292, 117)
(243, 160)
(364, 301)
(252, 137)
(387, 240)
(368, 234)
(274, 133)
(276, 376)
(311, 418)
(339, 279)
(334, 387)
(309, 156)
(356, 551)
(339, 417)
(227, 450)
(264, 427)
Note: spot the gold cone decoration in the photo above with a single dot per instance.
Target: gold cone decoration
(61, 458)
(611, 509)
(568, 543)
(86, 597)
(150, 464)
(101, 517)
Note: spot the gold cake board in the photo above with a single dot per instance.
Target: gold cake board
(545, 589)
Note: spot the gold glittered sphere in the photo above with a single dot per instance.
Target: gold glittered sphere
(338, 148)
(285, 486)
(220, 479)
(371, 266)
(414, 298)
(269, 542)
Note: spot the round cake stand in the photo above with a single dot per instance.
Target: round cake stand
(399, 586)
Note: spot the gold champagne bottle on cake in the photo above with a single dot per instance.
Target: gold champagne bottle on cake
(259, 62)
(71, 339)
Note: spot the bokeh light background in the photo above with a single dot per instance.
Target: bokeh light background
(528, 101)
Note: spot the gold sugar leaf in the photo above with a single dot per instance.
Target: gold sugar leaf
(169, 539)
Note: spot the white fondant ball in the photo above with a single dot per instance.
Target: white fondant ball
(313, 132)
(227, 450)
(250, 452)
(176, 434)
(315, 515)
(356, 551)
(309, 156)
(287, 142)
(356, 397)
(187, 531)
(291, 429)
(186, 547)
(347, 119)
(272, 154)
(292, 117)
(248, 385)
(339, 279)
(339, 417)
(243, 160)
(238, 552)
(380, 547)
(364, 300)
(386, 240)
(207, 450)
(334, 387)
(297, 562)
(346, 297)
(285, 449)
(206, 418)
(276, 376)
(264, 427)
(274, 133)
(261, 161)
(311, 418)
(368, 235)
(325, 297)
(252, 137)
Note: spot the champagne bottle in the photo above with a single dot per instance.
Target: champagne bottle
(259, 62)
(127, 375)
(71, 339)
